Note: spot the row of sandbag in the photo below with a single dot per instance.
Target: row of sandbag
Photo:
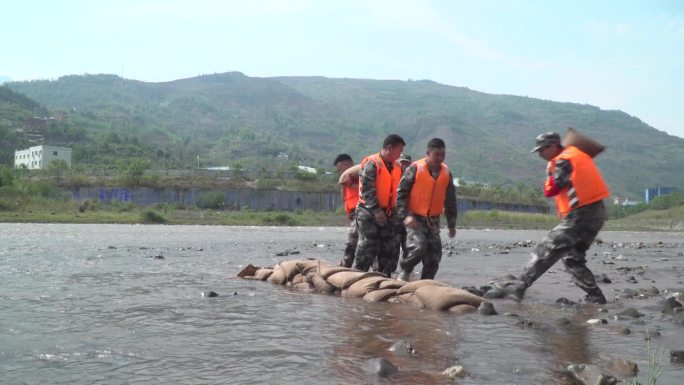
(310, 275)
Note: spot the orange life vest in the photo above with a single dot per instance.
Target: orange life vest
(586, 184)
(428, 193)
(350, 193)
(386, 182)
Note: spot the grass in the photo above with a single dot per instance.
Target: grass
(671, 219)
(655, 366)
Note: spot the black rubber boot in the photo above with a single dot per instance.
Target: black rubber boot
(595, 296)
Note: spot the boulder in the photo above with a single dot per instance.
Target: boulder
(590, 375)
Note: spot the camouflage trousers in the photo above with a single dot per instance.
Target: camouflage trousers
(376, 242)
(423, 245)
(569, 241)
(401, 251)
(350, 247)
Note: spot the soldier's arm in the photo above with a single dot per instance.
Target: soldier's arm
(561, 174)
(450, 205)
(368, 189)
(404, 190)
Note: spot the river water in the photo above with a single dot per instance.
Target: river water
(86, 304)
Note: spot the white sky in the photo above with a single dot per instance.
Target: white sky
(623, 55)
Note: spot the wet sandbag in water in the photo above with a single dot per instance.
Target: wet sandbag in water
(263, 273)
(408, 299)
(380, 295)
(362, 287)
(321, 284)
(391, 283)
(344, 279)
(462, 309)
(444, 297)
(305, 287)
(305, 266)
(411, 287)
(298, 278)
(284, 271)
(248, 271)
(328, 270)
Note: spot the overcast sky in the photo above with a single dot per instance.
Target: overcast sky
(617, 55)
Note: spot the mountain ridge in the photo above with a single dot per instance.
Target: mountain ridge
(231, 118)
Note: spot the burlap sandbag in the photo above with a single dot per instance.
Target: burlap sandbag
(584, 143)
(307, 265)
(344, 279)
(263, 273)
(298, 278)
(290, 267)
(278, 276)
(410, 299)
(411, 287)
(321, 284)
(328, 270)
(391, 283)
(380, 295)
(305, 287)
(444, 297)
(248, 271)
(462, 309)
(362, 287)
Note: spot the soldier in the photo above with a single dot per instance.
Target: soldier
(575, 181)
(350, 194)
(378, 183)
(400, 229)
(425, 192)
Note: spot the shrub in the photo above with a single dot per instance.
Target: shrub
(149, 216)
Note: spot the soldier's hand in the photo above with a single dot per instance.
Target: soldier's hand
(380, 218)
(411, 222)
(452, 232)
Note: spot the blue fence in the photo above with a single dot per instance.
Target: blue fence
(275, 200)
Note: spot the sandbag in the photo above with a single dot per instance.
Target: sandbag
(411, 287)
(362, 287)
(444, 297)
(248, 271)
(462, 309)
(328, 270)
(380, 295)
(344, 279)
(321, 284)
(278, 277)
(263, 273)
(298, 278)
(391, 283)
(410, 299)
(290, 267)
(304, 266)
(584, 143)
(305, 287)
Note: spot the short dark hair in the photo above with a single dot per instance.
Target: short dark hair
(435, 143)
(342, 158)
(393, 140)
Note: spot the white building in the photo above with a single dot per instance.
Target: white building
(39, 157)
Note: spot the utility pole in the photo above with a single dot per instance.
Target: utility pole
(198, 162)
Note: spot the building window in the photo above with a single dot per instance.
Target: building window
(54, 153)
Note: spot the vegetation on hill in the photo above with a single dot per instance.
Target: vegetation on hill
(273, 124)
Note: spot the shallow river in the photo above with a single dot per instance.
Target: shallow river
(85, 304)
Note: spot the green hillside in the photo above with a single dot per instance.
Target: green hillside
(233, 120)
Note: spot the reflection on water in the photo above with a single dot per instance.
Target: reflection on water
(87, 303)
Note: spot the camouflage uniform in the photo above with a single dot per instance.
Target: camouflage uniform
(375, 240)
(569, 241)
(352, 240)
(423, 243)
